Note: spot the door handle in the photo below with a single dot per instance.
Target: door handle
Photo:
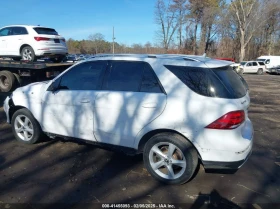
(84, 101)
(149, 105)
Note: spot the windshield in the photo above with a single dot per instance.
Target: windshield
(243, 63)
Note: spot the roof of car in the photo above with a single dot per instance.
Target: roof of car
(176, 59)
(24, 26)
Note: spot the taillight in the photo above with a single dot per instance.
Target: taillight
(230, 120)
(41, 39)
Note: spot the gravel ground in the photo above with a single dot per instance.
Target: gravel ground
(57, 171)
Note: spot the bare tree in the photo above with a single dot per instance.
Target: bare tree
(180, 8)
(165, 17)
(97, 41)
(251, 16)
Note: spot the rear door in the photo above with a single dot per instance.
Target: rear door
(131, 97)
(255, 67)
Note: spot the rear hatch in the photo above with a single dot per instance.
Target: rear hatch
(49, 37)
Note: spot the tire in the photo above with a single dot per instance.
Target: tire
(25, 127)
(7, 81)
(184, 153)
(260, 71)
(16, 58)
(27, 53)
(18, 80)
(57, 59)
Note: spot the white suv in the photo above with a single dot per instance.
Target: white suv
(176, 110)
(31, 42)
(252, 67)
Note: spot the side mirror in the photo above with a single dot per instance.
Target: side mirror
(54, 86)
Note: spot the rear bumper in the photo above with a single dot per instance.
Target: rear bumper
(226, 165)
(51, 52)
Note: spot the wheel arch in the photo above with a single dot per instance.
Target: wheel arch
(22, 46)
(13, 109)
(145, 138)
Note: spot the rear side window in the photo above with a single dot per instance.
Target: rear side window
(19, 31)
(45, 31)
(255, 64)
(261, 63)
(131, 76)
(219, 82)
(124, 76)
(150, 82)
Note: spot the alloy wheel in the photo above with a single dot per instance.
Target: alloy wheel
(167, 160)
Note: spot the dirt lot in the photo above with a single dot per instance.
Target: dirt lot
(57, 171)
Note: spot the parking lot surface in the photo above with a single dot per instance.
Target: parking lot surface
(57, 171)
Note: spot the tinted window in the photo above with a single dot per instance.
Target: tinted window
(261, 63)
(5, 32)
(249, 64)
(85, 76)
(124, 76)
(255, 64)
(150, 82)
(19, 31)
(45, 31)
(219, 82)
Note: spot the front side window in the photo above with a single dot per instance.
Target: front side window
(5, 32)
(249, 64)
(85, 76)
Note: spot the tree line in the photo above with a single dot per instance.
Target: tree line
(238, 29)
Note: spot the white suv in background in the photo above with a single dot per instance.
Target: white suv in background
(174, 109)
(31, 42)
(252, 67)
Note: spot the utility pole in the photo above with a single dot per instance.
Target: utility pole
(113, 40)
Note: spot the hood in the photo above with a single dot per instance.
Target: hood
(33, 90)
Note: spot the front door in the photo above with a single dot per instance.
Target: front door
(4, 33)
(131, 98)
(18, 34)
(68, 111)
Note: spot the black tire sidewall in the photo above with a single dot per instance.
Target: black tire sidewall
(36, 127)
(186, 148)
(10, 76)
(33, 53)
(260, 71)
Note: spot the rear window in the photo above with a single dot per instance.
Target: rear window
(45, 31)
(221, 82)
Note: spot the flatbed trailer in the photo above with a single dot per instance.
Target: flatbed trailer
(18, 73)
